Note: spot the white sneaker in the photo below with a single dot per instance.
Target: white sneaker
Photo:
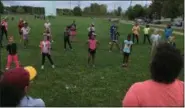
(53, 66)
(42, 67)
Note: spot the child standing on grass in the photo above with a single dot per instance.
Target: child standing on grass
(114, 37)
(172, 41)
(25, 32)
(67, 38)
(146, 34)
(92, 46)
(155, 41)
(127, 48)
(45, 46)
(12, 56)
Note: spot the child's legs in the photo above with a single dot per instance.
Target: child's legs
(6, 34)
(148, 37)
(49, 57)
(127, 58)
(144, 38)
(89, 56)
(93, 56)
(43, 58)
(9, 61)
(65, 42)
(16, 61)
(69, 43)
(137, 37)
(117, 44)
(111, 46)
(133, 37)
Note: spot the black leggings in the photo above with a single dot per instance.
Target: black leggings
(146, 36)
(4, 31)
(135, 36)
(67, 41)
(49, 57)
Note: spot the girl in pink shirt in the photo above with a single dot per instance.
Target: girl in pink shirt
(45, 46)
(164, 89)
(92, 45)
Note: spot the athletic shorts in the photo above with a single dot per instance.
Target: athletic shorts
(126, 54)
(25, 37)
(92, 52)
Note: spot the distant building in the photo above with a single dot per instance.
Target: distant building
(50, 8)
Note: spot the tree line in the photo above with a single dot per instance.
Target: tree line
(156, 10)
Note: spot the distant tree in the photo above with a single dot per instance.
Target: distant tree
(77, 11)
(119, 10)
(1, 7)
(20, 10)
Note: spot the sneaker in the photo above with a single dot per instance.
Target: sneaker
(53, 66)
(42, 67)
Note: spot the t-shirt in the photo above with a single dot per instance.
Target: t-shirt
(28, 101)
(92, 44)
(12, 48)
(150, 93)
(136, 29)
(168, 32)
(127, 46)
(146, 30)
(47, 25)
(25, 30)
(45, 46)
(20, 25)
(155, 37)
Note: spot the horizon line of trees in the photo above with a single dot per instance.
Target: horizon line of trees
(156, 10)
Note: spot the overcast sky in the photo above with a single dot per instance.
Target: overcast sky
(66, 4)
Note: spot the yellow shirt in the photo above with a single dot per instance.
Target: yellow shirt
(136, 30)
(146, 30)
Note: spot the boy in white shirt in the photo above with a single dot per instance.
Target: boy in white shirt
(25, 32)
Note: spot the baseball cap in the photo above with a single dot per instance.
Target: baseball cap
(19, 77)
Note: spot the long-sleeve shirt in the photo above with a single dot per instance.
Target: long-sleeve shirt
(12, 48)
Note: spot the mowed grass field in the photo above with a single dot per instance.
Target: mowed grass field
(72, 83)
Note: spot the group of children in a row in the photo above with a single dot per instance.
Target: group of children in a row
(70, 33)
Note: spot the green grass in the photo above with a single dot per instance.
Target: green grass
(104, 85)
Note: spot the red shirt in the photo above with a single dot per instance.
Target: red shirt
(20, 25)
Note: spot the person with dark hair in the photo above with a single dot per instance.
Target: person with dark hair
(20, 26)
(4, 29)
(164, 88)
(114, 34)
(146, 34)
(14, 86)
(25, 33)
(67, 38)
(92, 46)
(168, 32)
(136, 30)
(127, 48)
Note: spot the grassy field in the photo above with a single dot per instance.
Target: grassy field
(72, 83)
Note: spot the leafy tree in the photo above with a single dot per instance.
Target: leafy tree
(20, 10)
(1, 7)
(119, 10)
(77, 11)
